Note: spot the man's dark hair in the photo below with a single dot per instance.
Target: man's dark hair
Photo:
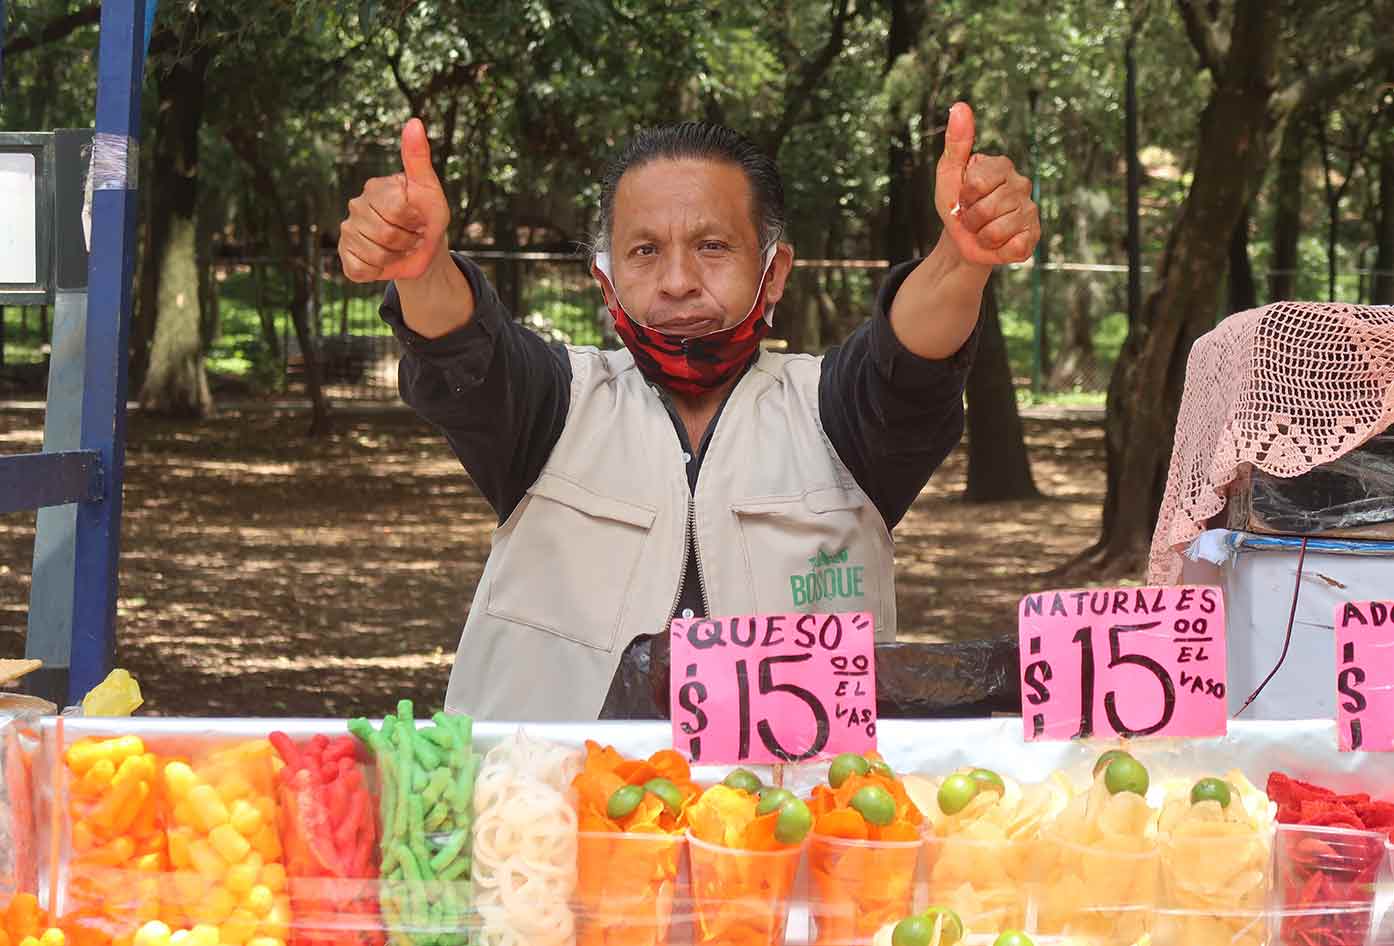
(700, 141)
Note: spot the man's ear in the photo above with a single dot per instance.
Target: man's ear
(780, 268)
(605, 288)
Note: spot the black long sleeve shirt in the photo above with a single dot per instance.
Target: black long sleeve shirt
(500, 394)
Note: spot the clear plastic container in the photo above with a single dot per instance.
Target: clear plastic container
(989, 883)
(856, 887)
(740, 896)
(1324, 883)
(1214, 889)
(626, 887)
(1105, 893)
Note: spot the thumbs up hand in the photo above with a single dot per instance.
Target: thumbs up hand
(396, 228)
(984, 202)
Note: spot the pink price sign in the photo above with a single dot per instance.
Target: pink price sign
(1365, 675)
(773, 687)
(1123, 661)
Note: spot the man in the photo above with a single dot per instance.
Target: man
(690, 473)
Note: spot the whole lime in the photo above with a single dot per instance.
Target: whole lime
(956, 792)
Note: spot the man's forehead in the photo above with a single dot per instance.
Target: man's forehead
(703, 193)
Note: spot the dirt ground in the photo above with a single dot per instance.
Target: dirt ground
(265, 575)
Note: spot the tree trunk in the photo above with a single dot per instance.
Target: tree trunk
(175, 381)
(1130, 135)
(1145, 393)
(302, 315)
(1383, 292)
(1287, 214)
(1243, 294)
(904, 202)
(1075, 362)
(999, 468)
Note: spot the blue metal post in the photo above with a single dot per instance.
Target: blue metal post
(120, 65)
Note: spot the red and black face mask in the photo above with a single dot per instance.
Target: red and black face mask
(697, 364)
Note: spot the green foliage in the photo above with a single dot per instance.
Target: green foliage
(525, 102)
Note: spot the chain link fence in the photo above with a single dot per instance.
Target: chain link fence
(255, 352)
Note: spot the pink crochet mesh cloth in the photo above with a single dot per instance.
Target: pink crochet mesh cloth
(1283, 388)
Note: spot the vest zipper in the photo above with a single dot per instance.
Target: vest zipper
(697, 554)
(689, 538)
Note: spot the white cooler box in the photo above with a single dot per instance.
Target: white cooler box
(1258, 573)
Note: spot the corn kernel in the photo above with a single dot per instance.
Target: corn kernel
(267, 843)
(203, 934)
(179, 779)
(209, 809)
(232, 846)
(233, 786)
(53, 937)
(124, 747)
(179, 937)
(184, 814)
(245, 817)
(179, 840)
(267, 806)
(260, 900)
(153, 933)
(273, 877)
(217, 906)
(265, 941)
(29, 941)
(189, 888)
(206, 860)
(237, 929)
(241, 877)
(97, 778)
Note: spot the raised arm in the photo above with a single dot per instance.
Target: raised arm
(989, 219)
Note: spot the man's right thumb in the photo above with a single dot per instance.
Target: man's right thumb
(416, 155)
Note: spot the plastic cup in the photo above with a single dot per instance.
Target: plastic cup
(740, 897)
(1324, 884)
(856, 887)
(1105, 892)
(625, 888)
(1214, 889)
(987, 882)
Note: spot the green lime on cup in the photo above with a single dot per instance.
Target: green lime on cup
(951, 930)
(794, 821)
(666, 792)
(1126, 774)
(1212, 789)
(988, 781)
(875, 804)
(623, 801)
(1106, 758)
(1013, 938)
(913, 931)
(845, 766)
(956, 792)
(743, 780)
(772, 799)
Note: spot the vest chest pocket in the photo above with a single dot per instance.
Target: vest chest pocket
(812, 553)
(570, 562)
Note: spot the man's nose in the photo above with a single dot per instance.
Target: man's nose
(678, 276)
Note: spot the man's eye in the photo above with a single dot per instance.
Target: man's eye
(648, 249)
(713, 245)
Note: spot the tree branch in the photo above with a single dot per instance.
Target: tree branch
(1313, 89)
(1205, 34)
(56, 29)
(809, 76)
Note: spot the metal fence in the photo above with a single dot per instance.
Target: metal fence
(255, 352)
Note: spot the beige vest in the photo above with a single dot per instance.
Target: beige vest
(594, 554)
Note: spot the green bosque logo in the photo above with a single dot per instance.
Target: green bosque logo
(829, 577)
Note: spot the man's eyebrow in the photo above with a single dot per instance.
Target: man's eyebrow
(703, 228)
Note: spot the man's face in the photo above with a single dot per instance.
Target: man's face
(685, 254)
